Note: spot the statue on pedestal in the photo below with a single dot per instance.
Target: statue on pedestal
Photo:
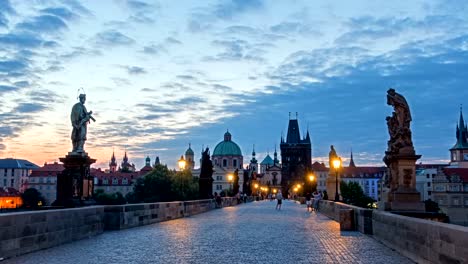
(206, 172)
(80, 118)
(400, 157)
(332, 156)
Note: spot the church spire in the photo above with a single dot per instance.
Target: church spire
(351, 162)
(275, 157)
(462, 133)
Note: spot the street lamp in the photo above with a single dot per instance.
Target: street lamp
(182, 167)
(311, 179)
(336, 165)
(230, 178)
(182, 163)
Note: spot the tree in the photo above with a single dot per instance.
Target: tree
(32, 198)
(155, 186)
(431, 206)
(352, 194)
(109, 199)
(185, 186)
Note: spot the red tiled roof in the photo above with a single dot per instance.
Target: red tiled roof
(51, 169)
(362, 172)
(319, 166)
(461, 172)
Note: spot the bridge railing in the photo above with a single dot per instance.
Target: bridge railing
(421, 240)
(24, 232)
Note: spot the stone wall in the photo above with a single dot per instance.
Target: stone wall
(422, 240)
(127, 216)
(25, 232)
(362, 216)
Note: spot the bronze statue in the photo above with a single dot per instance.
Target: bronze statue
(332, 156)
(80, 118)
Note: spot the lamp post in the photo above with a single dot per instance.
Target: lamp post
(230, 178)
(311, 179)
(336, 165)
(182, 163)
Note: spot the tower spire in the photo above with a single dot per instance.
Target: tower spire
(351, 162)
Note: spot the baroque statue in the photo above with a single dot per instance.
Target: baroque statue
(80, 118)
(332, 156)
(399, 125)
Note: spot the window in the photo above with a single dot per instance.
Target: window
(41, 180)
(429, 192)
(456, 202)
(4, 182)
(428, 184)
(12, 172)
(5, 173)
(224, 162)
(105, 181)
(219, 178)
(219, 187)
(115, 181)
(433, 175)
(234, 163)
(427, 176)
(12, 183)
(125, 181)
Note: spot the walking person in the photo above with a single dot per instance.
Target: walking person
(308, 198)
(279, 199)
(317, 198)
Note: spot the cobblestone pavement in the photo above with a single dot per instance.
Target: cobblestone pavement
(248, 233)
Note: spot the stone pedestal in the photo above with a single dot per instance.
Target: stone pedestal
(403, 195)
(75, 185)
(331, 186)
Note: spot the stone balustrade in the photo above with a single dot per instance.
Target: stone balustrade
(421, 240)
(25, 232)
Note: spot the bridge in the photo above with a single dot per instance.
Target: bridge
(248, 233)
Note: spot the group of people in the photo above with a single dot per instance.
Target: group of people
(313, 205)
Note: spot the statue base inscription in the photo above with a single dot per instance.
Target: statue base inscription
(75, 185)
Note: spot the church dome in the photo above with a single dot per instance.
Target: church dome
(189, 151)
(227, 147)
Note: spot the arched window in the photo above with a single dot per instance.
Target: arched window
(224, 162)
(234, 163)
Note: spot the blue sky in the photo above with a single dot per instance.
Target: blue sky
(161, 74)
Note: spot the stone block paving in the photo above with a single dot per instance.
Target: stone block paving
(248, 233)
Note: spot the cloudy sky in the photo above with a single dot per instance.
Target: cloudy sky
(161, 74)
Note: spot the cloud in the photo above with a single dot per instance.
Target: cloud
(29, 108)
(113, 38)
(236, 50)
(134, 70)
(44, 24)
(21, 40)
(148, 90)
(293, 28)
(142, 12)
(5, 9)
(61, 12)
(13, 66)
(77, 7)
(7, 88)
(229, 9)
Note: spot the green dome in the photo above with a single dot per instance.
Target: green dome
(227, 147)
(189, 151)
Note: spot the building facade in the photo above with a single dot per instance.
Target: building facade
(296, 155)
(227, 158)
(44, 179)
(14, 173)
(320, 171)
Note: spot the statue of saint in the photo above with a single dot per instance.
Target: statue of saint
(399, 123)
(80, 118)
(332, 156)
